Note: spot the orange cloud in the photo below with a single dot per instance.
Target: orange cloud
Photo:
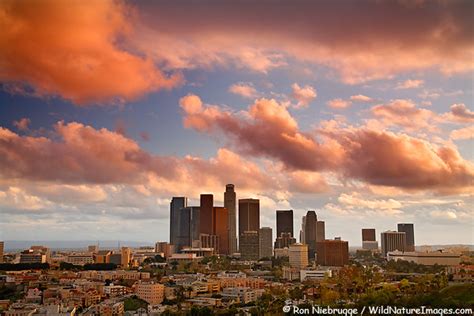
(339, 104)
(74, 49)
(304, 95)
(409, 84)
(245, 90)
(22, 124)
(361, 98)
(268, 130)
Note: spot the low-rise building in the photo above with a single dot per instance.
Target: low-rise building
(426, 258)
(151, 292)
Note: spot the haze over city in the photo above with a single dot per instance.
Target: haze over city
(361, 111)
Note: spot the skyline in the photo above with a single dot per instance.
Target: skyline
(359, 111)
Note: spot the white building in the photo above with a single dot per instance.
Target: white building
(426, 258)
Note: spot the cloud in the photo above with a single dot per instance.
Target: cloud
(361, 98)
(75, 50)
(22, 124)
(338, 103)
(304, 95)
(404, 113)
(268, 130)
(462, 133)
(348, 39)
(409, 84)
(245, 90)
(460, 113)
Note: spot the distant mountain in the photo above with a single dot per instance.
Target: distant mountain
(11, 245)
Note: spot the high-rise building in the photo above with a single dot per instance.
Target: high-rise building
(303, 222)
(126, 257)
(2, 245)
(310, 221)
(188, 227)
(249, 245)
(332, 252)
(206, 219)
(177, 203)
(266, 238)
(167, 249)
(320, 231)
(249, 216)
(285, 240)
(391, 240)
(230, 203)
(221, 228)
(368, 239)
(284, 222)
(298, 255)
(409, 231)
(210, 241)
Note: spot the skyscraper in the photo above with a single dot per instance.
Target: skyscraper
(230, 204)
(188, 227)
(284, 222)
(221, 228)
(332, 252)
(177, 203)
(249, 245)
(285, 240)
(320, 231)
(249, 215)
(409, 231)
(368, 239)
(310, 221)
(206, 218)
(265, 246)
(392, 240)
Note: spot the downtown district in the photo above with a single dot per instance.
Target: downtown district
(213, 264)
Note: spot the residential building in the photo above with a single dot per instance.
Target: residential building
(151, 292)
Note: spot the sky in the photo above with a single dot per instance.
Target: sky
(359, 110)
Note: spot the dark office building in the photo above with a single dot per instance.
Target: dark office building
(177, 203)
(221, 228)
(230, 203)
(188, 227)
(368, 234)
(207, 219)
(284, 222)
(320, 231)
(309, 232)
(285, 240)
(249, 215)
(249, 245)
(409, 231)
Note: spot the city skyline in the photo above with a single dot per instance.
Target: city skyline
(362, 112)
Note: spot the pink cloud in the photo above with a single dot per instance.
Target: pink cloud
(409, 84)
(339, 104)
(267, 129)
(22, 124)
(245, 90)
(304, 95)
(361, 98)
(460, 112)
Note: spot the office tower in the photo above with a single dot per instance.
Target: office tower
(409, 231)
(310, 221)
(265, 246)
(320, 231)
(177, 203)
(285, 240)
(249, 215)
(303, 223)
(206, 217)
(230, 202)
(284, 219)
(221, 228)
(391, 240)
(210, 241)
(332, 253)
(368, 239)
(298, 255)
(249, 245)
(188, 227)
(126, 253)
(2, 246)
